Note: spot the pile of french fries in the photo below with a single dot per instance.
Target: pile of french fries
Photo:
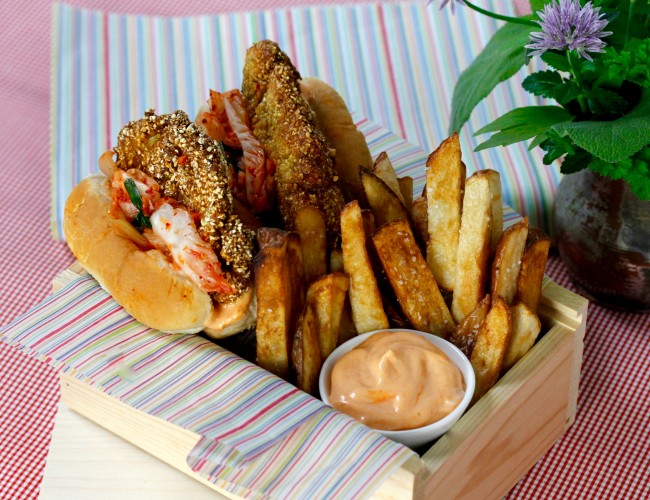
(440, 263)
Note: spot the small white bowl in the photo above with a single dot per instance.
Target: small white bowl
(419, 436)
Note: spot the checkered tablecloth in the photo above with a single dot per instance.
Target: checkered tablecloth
(606, 454)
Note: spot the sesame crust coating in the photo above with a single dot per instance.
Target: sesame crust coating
(284, 124)
(191, 168)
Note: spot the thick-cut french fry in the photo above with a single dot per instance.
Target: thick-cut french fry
(473, 248)
(367, 310)
(497, 206)
(347, 329)
(383, 169)
(531, 273)
(310, 225)
(525, 329)
(406, 188)
(443, 187)
(305, 353)
(507, 261)
(327, 295)
(490, 347)
(336, 260)
(465, 335)
(420, 218)
(279, 291)
(385, 204)
(412, 280)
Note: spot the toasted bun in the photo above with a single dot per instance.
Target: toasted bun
(143, 281)
(335, 122)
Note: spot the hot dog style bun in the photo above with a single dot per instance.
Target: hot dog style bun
(159, 232)
(333, 119)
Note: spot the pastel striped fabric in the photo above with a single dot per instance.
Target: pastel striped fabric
(262, 437)
(394, 63)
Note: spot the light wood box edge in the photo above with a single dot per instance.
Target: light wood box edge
(483, 455)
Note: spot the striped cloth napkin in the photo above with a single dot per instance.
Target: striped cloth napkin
(261, 437)
(394, 63)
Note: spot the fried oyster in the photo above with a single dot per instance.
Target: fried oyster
(191, 168)
(284, 123)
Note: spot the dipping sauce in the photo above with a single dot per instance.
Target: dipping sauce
(396, 381)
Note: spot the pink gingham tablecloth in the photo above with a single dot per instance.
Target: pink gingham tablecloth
(606, 454)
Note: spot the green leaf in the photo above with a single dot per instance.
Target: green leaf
(537, 141)
(556, 61)
(606, 103)
(541, 116)
(501, 58)
(556, 146)
(635, 171)
(537, 5)
(612, 141)
(575, 162)
(543, 83)
(567, 92)
(141, 220)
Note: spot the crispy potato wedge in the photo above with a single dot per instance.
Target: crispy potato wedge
(326, 296)
(497, 206)
(490, 347)
(336, 260)
(383, 168)
(507, 261)
(525, 329)
(444, 200)
(473, 247)
(385, 204)
(367, 310)
(420, 218)
(464, 337)
(310, 226)
(533, 265)
(278, 288)
(406, 188)
(305, 353)
(412, 280)
(347, 329)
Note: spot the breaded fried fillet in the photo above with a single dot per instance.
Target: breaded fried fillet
(191, 168)
(284, 123)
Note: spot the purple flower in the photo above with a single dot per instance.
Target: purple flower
(453, 4)
(566, 25)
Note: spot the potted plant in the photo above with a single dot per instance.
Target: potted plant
(597, 122)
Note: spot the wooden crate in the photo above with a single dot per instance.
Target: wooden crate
(484, 455)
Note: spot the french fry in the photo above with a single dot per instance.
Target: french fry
(490, 347)
(383, 169)
(278, 288)
(465, 335)
(305, 353)
(406, 188)
(336, 260)
(525, 329)
(310, 225)
(420, 218)
(326, 296)
(473, 247)
(531, 273)
(507, 261)
(367, 310)
(385, 204)
(443, 192)
(412, 280)
(497, 206)
(347, 329)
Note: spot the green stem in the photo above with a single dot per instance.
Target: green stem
(574, 73)
(516, 20)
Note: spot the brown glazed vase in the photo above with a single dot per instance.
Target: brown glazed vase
(603, 236)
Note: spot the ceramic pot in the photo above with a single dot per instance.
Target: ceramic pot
(603, 236)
